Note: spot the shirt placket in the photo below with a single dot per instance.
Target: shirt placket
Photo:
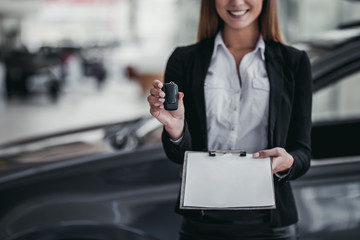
(234, 109)
(241, 92)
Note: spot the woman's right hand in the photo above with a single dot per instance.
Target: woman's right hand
(173, 121)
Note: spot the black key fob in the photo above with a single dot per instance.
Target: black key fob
(171, 96)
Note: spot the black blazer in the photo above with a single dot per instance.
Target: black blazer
(289, 112)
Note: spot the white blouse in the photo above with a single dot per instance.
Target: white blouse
(237, 109)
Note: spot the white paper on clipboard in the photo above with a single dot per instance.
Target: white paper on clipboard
(226, 181)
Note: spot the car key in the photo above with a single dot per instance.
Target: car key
(171, 96)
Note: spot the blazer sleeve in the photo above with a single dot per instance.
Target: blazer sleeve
(299, 134)
(175, 71)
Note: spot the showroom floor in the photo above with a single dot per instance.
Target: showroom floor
(117, 101)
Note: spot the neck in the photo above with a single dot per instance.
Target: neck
(241, 38)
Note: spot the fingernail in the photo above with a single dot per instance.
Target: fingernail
(161, 100)
(162, 106)
(162, 94)
(160, 85)
(255, 155)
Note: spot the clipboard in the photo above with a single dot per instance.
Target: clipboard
(226, 180)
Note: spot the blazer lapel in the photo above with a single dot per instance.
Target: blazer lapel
(274, 67)
(201, 65)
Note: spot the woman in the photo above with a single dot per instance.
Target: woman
(245, 90)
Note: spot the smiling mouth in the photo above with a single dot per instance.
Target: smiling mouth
(238, 13)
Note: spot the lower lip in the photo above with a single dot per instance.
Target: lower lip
(239, 16)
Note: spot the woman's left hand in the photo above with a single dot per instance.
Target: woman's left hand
(281, 159)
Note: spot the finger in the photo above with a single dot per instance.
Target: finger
(157, 92)
(155, 101)
(274, 152)
(277, 164)
(157, 104)
(274, 164)
(280, 164)
(157, 84)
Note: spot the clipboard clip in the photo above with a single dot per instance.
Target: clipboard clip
(212, 153)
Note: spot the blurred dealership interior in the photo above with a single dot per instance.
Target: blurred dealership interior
(79, 63)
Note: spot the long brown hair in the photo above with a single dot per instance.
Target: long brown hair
(210, 22)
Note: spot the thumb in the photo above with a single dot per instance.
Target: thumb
(273, 152)
(181, 96)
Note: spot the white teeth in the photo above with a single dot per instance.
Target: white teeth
(238, 13)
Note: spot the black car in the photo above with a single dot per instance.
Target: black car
(45, 71)
(115, 182)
